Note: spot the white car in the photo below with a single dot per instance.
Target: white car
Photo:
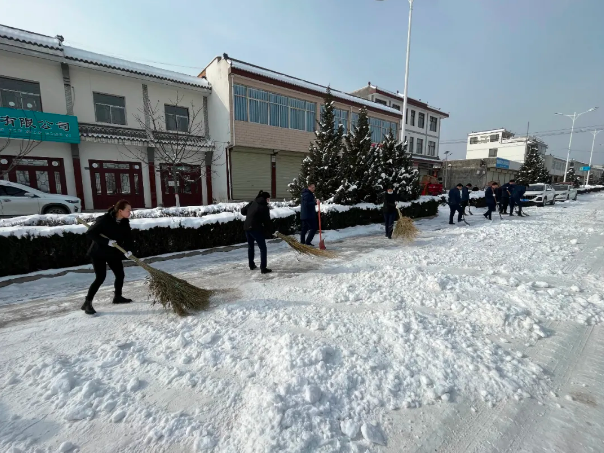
(17, 199)
(540, 194)
(565, 192)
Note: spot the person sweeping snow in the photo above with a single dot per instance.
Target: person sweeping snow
(308, 215)
(455, 203)
(390, 212)
(491, 199)
(110, 228)
(257, 225)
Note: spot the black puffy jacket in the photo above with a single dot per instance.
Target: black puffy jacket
(389, 203)
(119, 231)
(258, 217)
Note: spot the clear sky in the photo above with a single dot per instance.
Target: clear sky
(489, 63)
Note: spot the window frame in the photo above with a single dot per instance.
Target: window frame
(413, 118)
(435, 122)
(39, 94)
(431, 148)
(176, 116)
(110, 109)
(491, 154)
(473, 140)
(494, 138)
(381, 102)
(421, 120)
(418, 142)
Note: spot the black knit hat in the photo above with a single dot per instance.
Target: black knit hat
(263, 194)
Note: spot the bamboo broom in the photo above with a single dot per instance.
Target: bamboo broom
(169, 291)
(304, 249)
(405, 229)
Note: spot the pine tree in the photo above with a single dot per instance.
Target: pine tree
(571, 175)
(352, 165)
(533, 170)
(322, 164)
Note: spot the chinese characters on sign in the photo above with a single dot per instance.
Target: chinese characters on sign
(39, 126)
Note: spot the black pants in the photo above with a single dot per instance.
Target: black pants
(464, 205)
(490, 208)
(455, 209)
(389, 219)
(258, 237)
(514, 203)
(100, 270)
(310, 227)
(503, 206)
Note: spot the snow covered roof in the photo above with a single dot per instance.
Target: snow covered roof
(114, 134)
(29, 37)
(71, 53)
(248, 67)
(410, 100)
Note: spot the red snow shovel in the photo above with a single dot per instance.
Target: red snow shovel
(321, 242)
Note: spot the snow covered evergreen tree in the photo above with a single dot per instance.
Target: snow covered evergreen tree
(322, 164)
(571, 175)
(533, 170)
(353, 162)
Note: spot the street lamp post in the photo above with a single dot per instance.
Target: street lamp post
(594, 133)
(573, 117)
(406, 71)
(446, 167)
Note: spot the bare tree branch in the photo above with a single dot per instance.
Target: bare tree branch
(26, 146)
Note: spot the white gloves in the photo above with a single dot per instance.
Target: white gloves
(111, 243)
(128, 254)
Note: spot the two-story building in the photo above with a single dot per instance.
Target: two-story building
(269, 120)
(501, 143)
(92, 126)
(422, 125)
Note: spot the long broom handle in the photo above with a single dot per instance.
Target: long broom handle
(319, 206)
(116, 245)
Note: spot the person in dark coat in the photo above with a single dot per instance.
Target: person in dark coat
(390, 212)
(504, 200)
(111, 228)
(455, 203)
(465, 197)
(516, 199)
(257, 226)
(308, 215)
(491, 199)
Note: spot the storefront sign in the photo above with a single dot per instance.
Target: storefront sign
(584, 168)
(38, 126)
(502, 163)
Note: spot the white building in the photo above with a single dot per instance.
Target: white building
(422, 128)
(92, 116)
(501, 143)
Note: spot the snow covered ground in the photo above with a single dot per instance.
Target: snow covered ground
(479, 338)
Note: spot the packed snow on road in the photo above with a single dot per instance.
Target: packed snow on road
(484, 337)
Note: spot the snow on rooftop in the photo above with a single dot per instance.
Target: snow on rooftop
(130, 66)
(29, 37)
(309, 85)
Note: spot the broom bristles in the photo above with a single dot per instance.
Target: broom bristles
(304, 249)
(405, 229)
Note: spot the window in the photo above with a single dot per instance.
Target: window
(396, 106)
(420, 146)
(19, 94)
(421, 120)
(177, 118)
(240, 103)
(473, 140)
(354, 120)
(263, 107)
(433, 124)
(494, 138)
(431, 148)
(411, 144)
(340, 117)
(493, 152)
(12, 191)
(412, 117)
(380, 101)
(109, 109)
(380, 129)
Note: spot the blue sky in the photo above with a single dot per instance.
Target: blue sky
(489, 63)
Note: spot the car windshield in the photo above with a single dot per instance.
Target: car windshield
(561, 188)
(536, 188)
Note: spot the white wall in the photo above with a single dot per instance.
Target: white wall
(219, 110)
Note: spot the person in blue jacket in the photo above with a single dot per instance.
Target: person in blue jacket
(516, 199)
(455, 195)
(491, 199)
(504, 200)
(308, 215)
(465, 197)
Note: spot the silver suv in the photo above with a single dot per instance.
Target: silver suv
(17, 199)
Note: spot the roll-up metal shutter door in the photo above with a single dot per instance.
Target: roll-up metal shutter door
(251, 173)
(288, 168)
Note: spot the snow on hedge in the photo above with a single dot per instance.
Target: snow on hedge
(145, 219)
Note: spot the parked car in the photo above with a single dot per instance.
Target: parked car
(18, 199)
(565, 192)
(540, 194)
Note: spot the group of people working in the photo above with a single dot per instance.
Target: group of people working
(508, 195)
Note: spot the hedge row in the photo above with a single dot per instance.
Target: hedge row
(29, 254)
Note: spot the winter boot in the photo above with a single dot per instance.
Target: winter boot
(254, 267)
(87, 307)
(266, 270)
(121, 300)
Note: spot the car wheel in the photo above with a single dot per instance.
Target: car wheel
(553, 201)
(544, 202)
(56, 210)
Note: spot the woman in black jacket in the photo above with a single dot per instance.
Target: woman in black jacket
(111, 228)
(257, 225)
(390, 211)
